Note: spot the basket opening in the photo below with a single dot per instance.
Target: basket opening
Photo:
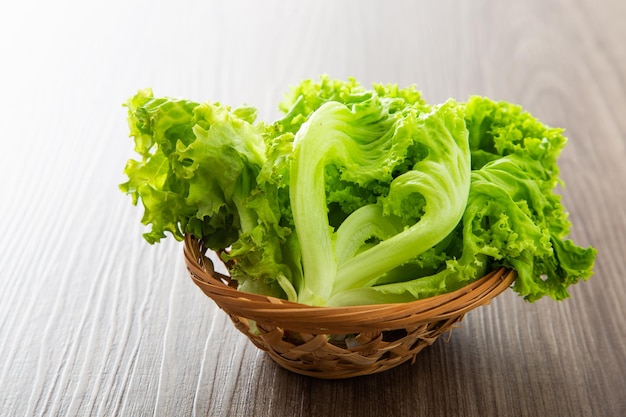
(393, 335)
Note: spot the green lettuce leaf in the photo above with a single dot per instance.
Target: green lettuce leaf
(356, 195)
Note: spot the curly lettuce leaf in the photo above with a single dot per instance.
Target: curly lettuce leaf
(156, 126)
(356, 195)
(366, 143)
(513, 217)
(198, 175)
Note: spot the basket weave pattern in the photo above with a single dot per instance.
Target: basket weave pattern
(339, 342)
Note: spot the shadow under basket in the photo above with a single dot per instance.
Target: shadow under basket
(339, 342)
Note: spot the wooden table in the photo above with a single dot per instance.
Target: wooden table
(95, 322)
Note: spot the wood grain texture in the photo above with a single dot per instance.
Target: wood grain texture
(95, 322)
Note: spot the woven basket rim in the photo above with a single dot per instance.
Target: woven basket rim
(299, 317)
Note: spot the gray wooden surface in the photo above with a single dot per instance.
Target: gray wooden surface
(95, 322)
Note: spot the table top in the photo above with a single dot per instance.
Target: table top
(94, 321)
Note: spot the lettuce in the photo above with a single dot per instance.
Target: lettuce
(358, 196)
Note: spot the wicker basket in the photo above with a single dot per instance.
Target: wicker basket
(339, 342)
